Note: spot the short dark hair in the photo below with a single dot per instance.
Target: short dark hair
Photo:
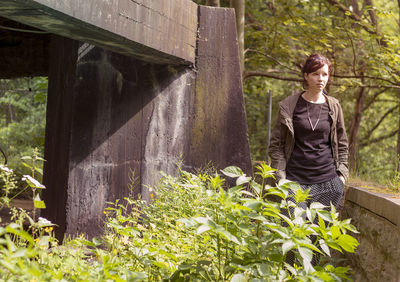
(313, 63)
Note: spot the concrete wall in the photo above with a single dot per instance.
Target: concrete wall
(109, 115)
(377, 218)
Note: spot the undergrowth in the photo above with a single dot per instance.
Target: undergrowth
(195, 229)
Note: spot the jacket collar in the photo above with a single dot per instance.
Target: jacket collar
(288, 105)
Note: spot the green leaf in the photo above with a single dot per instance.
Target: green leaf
(15, 229)
(287, 246)
(265, 171)
(242, 180)
(305, 243)
(325, 215)
(321, 223)
(203, 228)
(201, 219)
(324, 247)
(43, 242)
(228, 235)
(26, 158)
(32, 182)
(38, 203)
(169, 255)
(239, 278)
(160, 264)
(188, 222)
(306, 255)
(11, 267)
(309, 215)
(287, 219)
(253, 204)
(96, 241)
(335, 232)
(39, 170)
(347, 242)
(351, 228)
(232, 171)
(317, 206)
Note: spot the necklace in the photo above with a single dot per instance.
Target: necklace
(309, 119)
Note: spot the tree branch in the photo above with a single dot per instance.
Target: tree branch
(365, 76)
(253, 23)
(296, 72)
(273, 59)
(248, 74)
(378, 139)
(374, 98)
(391, 110)
(357, 18)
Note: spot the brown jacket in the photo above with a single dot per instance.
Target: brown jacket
(282, 140)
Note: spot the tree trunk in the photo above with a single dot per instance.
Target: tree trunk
(356, 9)
(398, 132)
(398, 93)
(354, 128)
(11, 112)
(239, 6)
(398, 3)
(214, 3)
(6, 116)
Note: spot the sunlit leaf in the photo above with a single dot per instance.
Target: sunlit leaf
(347, 242)
(232, 171)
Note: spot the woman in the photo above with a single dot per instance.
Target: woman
(309, 142)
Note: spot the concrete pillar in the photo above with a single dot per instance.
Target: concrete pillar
(109, 116)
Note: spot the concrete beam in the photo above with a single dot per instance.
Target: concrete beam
(162, 32)
(383, 205)
(22, 54)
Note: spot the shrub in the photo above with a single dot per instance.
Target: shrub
(195, 229)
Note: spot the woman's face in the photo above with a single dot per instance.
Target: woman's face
(318, 79)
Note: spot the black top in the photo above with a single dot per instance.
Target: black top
(311, 161)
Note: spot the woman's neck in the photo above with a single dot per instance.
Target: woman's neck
(314, 96)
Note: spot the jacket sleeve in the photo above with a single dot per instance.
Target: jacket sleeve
(343, 145)
(277, 148)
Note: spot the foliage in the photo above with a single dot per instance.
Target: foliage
(193, 230)
(364, 53)
(23, 111)
(11, 188)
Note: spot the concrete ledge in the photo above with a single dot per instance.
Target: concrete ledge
(384, 205)
(375, 215)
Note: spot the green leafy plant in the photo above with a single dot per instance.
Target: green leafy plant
(195, 229)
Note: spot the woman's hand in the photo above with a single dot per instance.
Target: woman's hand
(341, 177)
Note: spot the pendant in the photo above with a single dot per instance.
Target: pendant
(315, 125)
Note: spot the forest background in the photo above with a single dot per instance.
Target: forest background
(360, 37)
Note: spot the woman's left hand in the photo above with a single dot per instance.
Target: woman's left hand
(342, 179)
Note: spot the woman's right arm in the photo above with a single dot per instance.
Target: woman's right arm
(277, 148)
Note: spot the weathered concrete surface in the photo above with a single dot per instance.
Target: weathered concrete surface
(124, 116)
(58, 129)
(378, 203)
(219, 128)
(110, 115)
(378, 256)
(22, 53)
(154, 31)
